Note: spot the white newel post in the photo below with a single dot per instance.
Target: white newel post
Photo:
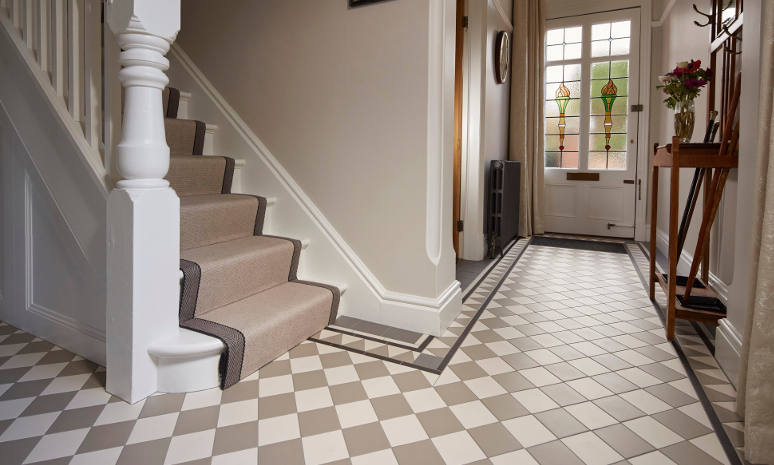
(143, 211)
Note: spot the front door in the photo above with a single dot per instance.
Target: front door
(591, 83)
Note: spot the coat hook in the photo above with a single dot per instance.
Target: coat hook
(709, 17)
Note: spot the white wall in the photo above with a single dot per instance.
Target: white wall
(52, 217)
(340, 97)
(486, 111)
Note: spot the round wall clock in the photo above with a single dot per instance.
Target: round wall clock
(502, 56)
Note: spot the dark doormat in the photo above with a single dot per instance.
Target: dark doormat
(597, 246)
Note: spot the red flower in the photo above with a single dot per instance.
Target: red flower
(694, 66)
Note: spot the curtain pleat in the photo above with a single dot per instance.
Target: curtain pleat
(755, 399)
(526, 112)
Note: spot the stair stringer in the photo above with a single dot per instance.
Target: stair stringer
(328, 258)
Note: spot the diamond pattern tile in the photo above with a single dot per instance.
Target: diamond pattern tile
(557, 357)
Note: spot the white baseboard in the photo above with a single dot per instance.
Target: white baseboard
(430, 318)
(328, 258)
(728, 349)
(684, 265)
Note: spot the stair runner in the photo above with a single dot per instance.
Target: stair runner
(239, 285)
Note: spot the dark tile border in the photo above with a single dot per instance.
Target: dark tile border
(580, 244)
(491, 267)
(421, 347)
(717, 425)
(462, 336)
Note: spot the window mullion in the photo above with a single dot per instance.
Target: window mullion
(585, 104)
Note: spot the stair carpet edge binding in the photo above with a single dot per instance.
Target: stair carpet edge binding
(238, 285)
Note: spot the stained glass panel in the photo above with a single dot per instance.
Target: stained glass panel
(552, 110)
(604, 130)
(622, 84)
(573, 86)
(597, 142)
(562, 94)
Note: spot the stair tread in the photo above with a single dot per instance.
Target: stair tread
(211, 218)
(275, 320)
(236, 269)
(280, 302)
(198, 174)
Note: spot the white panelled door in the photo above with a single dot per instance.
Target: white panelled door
(591, 79)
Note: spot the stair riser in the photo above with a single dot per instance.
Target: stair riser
(194, 175)
(210, 224)
(235, 278)
(184, 137)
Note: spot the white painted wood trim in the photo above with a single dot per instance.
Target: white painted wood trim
(436, 122)
(472, 240)
(28, 31)
(43, 28)
(93, 337)
(91, 157)
(74, 41)
(16, 14)
(641, 229)
(60, 32)
(92, 72)
(728, 349)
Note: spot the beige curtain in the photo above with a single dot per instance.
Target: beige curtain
(756, 378)
(526, 119)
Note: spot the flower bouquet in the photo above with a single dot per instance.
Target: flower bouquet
(682, 86)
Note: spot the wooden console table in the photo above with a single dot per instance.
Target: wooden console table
(675, 156)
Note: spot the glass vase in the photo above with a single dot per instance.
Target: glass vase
(684, 121)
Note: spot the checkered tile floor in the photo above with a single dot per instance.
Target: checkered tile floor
(565, 364)
(715, 384)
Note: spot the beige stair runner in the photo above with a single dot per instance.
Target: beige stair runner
(239, 285)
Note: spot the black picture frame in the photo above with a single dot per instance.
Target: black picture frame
(359, 3)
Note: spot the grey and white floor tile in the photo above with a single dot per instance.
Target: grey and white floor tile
(558, 357)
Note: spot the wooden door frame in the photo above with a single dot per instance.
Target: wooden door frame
(459, 46)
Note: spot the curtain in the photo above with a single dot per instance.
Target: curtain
(526, 112)
(756, 378)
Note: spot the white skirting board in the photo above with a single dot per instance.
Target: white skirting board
(728, 348)
(328, 258)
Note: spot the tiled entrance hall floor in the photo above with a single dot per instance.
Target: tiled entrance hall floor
(566, 364)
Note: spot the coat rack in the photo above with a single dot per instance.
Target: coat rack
(689, 297)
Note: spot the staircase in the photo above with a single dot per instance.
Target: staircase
(239, 285)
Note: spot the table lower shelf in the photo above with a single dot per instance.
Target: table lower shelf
(686, 313)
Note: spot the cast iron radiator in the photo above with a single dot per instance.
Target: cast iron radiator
(502, 221)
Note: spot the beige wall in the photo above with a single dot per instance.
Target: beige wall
(340, 98)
